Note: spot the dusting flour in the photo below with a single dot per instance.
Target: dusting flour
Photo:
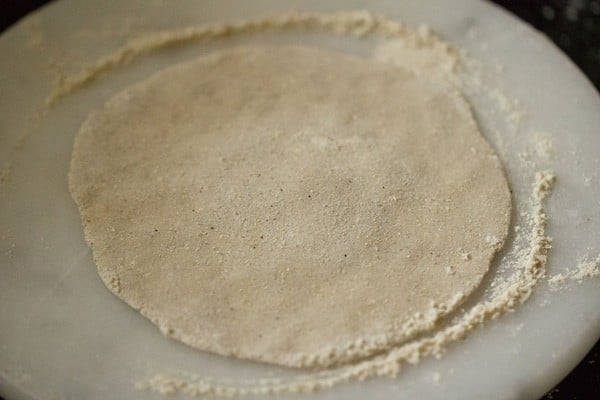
(585, 269)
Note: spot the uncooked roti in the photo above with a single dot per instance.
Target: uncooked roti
(285, 203)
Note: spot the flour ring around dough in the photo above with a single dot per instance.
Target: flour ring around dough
(289, 205)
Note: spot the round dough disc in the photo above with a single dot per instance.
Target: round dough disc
(274, 203)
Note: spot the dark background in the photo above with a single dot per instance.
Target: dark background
(574, 25)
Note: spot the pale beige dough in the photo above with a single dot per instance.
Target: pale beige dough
(274, 203)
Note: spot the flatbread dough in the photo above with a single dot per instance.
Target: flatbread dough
(274, 203)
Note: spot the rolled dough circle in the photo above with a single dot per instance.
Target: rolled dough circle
(277, 203)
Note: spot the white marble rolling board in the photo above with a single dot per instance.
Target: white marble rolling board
(64, 336)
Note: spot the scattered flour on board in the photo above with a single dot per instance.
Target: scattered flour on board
(543, 145)
(585, 269)
(355, 23)
(540, 148)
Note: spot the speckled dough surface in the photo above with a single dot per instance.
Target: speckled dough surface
(277, 203)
